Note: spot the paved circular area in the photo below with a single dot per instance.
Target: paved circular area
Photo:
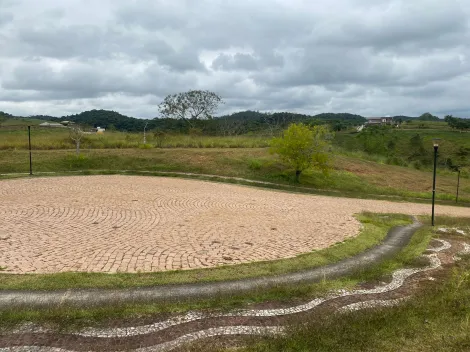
(137, 223)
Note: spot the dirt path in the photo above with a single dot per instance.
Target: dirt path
(137, 223)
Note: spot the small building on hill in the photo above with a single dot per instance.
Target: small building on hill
(379, 121)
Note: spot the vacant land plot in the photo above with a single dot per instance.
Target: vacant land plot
(131, 224)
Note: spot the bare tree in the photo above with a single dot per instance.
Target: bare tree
(271, 123)
(160, 137)
(276, 122)
(145, 137)
(230, 127)
(195, 104)
(76, 134)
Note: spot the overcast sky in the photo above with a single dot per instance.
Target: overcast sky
(370, 57)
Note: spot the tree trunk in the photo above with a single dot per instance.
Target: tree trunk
(78, 147)
(297, 175)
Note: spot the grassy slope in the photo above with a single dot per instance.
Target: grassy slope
(374, 230)
(451, 140)
(350, 174)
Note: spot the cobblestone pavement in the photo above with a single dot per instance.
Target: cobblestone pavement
(138, 223)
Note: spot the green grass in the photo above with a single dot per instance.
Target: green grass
(69, 318)
(436, 319)
(374, 230)
(58, 138)
(358, 177)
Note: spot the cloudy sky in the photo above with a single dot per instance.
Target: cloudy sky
(371, 57)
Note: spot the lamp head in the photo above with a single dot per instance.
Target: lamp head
(435, 142)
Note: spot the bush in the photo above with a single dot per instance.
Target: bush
(395, 160)
(254, 164)
(417, 164)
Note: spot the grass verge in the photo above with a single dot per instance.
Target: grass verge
(375, 228)
(350, 175)
(436, 319)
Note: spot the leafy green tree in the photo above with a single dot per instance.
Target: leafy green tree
(455, 122)
(303, 147)
(417, 150)
(192, 105)
(391, 146)
(4, 116)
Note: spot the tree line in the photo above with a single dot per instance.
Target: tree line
(226, 125)
(457, 123)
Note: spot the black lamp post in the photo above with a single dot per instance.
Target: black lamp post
(435, 143)
(30, 157)
(458, 184)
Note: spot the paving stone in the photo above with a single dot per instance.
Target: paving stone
(95, 224)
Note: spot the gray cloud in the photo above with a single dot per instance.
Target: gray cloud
(5, 18)
(247, 62)
(371, 57)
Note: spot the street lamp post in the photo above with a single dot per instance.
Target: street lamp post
(458, 184)
(30, 157)
(435, 142)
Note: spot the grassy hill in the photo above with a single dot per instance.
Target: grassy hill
(408, 146)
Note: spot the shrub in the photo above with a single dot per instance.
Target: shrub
(254, 164)
(417, 164)
(77, 161)
(395, 160)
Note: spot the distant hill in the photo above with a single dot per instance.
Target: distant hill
(236, 123)
(428, 117)
(100, 118)
(107, 119)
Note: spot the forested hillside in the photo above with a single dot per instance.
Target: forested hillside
(234, 124)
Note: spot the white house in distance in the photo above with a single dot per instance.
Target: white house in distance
(377, 121)
(98, 129)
